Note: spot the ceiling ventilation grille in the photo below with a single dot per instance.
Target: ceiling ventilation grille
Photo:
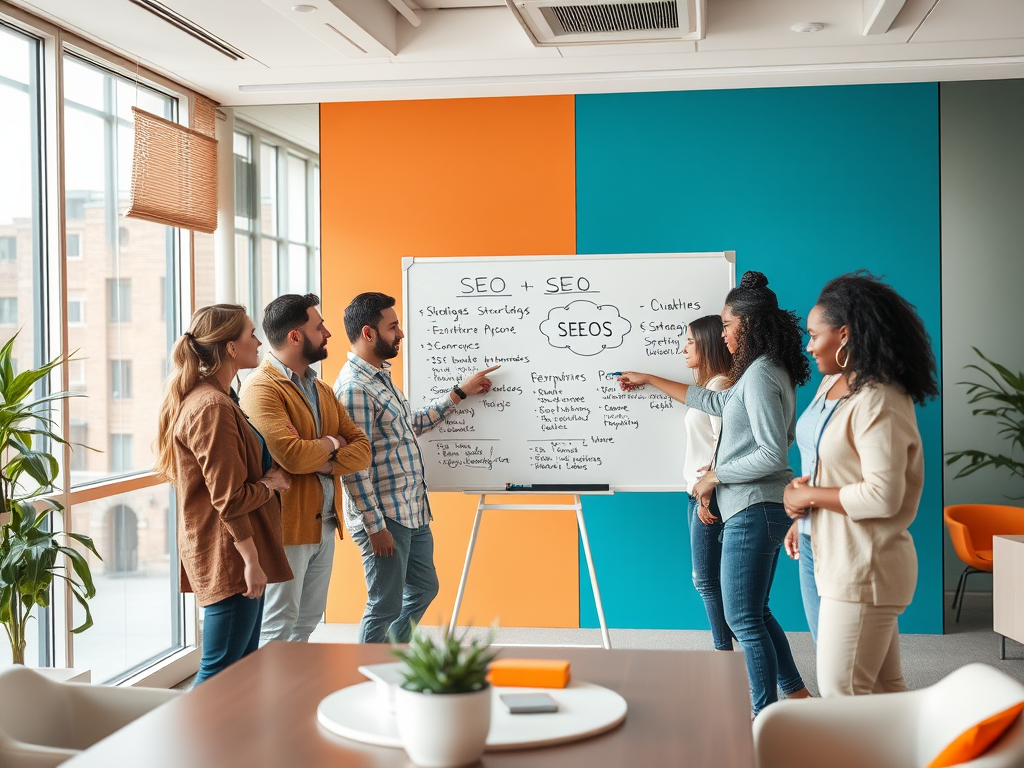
(599, 22)
(621, 17)
(190, 28)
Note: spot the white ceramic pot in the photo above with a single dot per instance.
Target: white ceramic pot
(443, 730)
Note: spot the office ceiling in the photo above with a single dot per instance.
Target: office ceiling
(348, 50)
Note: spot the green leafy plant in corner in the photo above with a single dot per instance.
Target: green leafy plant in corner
(448, 666)
(31, 555)
(1002, 398)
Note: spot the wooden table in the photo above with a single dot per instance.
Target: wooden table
(1008, 589)
(686, 708)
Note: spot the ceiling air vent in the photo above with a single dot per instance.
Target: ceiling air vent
(190, 28)
(599, 22)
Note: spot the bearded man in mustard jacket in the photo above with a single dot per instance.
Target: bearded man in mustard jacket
(311, 436)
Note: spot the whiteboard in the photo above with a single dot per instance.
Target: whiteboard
(559, 326)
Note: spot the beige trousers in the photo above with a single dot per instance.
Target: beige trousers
(858, 648)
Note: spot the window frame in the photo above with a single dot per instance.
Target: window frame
(254, 234)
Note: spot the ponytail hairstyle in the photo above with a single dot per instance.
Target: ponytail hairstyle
(888, 343)
(766, 330)
(715, 358)
(195, 357)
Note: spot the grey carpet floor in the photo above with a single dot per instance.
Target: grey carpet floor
(926, 658)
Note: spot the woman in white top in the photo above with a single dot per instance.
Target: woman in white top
(809, 426)
(709, 358)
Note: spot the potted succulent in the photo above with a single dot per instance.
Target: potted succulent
(1006, 395)
(31, 554)
(443, 709)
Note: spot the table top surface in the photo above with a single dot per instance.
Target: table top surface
(686, 708)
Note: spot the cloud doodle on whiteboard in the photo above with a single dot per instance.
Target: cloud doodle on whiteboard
(585, 328)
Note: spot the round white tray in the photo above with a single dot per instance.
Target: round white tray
(584, 710)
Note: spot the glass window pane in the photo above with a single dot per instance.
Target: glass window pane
(20, 198)
(316, 205)
(297, 225)
(205, 269)
(21, 243)
(136, 605)
(268, 189)
(244, 186)
(270, 288)
(298, 269)
(123, 266)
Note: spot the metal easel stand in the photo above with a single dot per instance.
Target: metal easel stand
(577, 507)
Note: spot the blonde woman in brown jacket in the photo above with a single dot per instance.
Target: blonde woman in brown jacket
(868, 480)
(229, 511)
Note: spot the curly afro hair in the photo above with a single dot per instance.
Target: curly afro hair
(888, 343)
(766, 330)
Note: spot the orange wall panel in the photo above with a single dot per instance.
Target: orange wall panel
(465, 177)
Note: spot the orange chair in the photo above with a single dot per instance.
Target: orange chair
(971, 528)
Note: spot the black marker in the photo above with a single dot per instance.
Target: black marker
(563, 487)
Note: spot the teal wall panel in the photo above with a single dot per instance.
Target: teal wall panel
(804, 184)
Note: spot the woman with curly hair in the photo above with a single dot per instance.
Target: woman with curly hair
(868, 479)
(750, 471)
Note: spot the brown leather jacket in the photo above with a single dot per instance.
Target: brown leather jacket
(218, 462)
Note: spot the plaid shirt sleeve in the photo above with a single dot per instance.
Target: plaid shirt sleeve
(358, 484)
(425, 419)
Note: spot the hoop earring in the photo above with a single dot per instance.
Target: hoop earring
(846, 360)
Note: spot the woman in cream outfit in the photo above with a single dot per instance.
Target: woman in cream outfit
(869, 476)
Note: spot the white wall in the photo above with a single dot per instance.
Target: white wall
(982, 172)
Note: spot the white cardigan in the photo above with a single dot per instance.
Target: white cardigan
(871, 450)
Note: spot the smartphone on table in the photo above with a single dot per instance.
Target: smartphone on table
(528, 703)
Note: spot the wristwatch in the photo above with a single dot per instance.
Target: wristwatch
(458, 391)
(336, 444)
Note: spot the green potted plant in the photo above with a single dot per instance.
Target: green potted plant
(443, 709)
(1004, 401)
(32, 555)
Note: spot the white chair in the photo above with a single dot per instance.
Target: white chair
(44, 722)
(891, 730)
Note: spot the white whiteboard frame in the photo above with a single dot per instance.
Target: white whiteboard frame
(408, 261)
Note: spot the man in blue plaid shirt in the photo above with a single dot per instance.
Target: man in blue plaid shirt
(386, 507)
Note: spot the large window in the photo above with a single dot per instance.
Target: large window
(78, 277)
(21, 229)
(129, 265)
(277, 208)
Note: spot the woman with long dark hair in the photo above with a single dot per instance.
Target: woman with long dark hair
(229, 511)
(709, 358)
(868, 480)
(750, 472)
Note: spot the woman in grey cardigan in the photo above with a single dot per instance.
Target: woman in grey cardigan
(751, 470)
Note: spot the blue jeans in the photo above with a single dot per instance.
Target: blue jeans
(808, 587)
(750, 552)
(706, 551)
(231, 630)
(399, 588)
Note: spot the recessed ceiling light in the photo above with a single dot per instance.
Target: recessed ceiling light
(304, 8)
(808, 26)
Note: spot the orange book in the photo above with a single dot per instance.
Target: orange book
(529, 673)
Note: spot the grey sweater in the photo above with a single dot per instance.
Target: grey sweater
(758, 425)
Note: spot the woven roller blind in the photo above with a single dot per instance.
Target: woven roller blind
(204, 115)
(174, 174)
